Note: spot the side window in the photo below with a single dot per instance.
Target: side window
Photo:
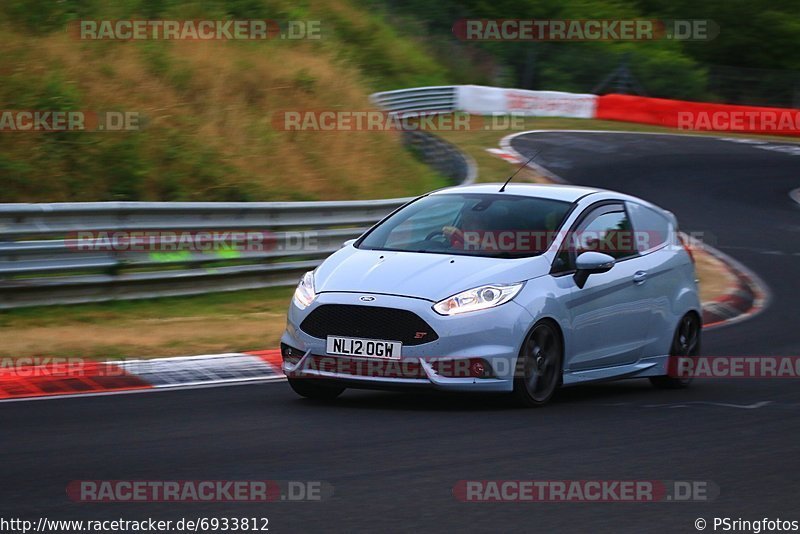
(652, 229)
(606, 229)
(609, 233)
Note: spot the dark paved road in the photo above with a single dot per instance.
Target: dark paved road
(394, 458)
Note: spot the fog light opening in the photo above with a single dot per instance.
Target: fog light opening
(477, 369)
(290, 354)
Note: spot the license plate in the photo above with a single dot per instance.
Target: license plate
(368, 348)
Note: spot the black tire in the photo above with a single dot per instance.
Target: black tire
(315, 389)
(686, 342)
(538, 370)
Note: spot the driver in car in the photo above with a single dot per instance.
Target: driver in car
(470, 233)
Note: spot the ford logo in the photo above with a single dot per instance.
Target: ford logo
(366, 299)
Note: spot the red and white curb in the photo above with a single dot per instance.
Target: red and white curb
(78, 377)
(500, 153)
(745, 299)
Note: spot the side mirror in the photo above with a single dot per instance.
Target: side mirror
(591, 263)
(348, 243)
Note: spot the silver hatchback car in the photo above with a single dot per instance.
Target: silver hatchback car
(518, 290)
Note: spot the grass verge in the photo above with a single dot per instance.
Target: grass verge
(176, 326)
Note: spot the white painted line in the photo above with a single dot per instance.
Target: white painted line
(795, 195)
(690, 404)
(744, 140)
(505, 144)
(754, 406)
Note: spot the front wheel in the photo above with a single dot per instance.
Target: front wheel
(538, 370)
(314, 389)
(686, 343)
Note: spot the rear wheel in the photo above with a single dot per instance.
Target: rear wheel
(538, 370)
(315, 389)
(686, 343)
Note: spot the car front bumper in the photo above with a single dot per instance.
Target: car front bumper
(494, 335)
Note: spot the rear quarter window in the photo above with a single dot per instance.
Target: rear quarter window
(651, 228)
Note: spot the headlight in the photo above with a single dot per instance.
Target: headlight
(479, 298)
(304, 295)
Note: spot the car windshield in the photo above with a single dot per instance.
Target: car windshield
(490, 225)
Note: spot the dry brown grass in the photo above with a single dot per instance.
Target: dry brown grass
(716, 279)
(215, 323)
(147, 338)
(219, 98)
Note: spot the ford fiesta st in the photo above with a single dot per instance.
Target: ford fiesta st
(519, 289)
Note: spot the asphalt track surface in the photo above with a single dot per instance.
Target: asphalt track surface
(393, 458)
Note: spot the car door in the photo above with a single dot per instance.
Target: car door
(610, 314)
(662, 276)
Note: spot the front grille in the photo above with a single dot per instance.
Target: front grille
(371, 322)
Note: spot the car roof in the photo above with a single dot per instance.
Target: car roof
(582, 196)
(566, 193)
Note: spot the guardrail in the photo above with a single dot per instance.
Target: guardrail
(436, 152)
(437, 99)
(446, 158)
(44, 258)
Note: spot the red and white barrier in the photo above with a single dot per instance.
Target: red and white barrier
(680, 114)
(481, 100)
